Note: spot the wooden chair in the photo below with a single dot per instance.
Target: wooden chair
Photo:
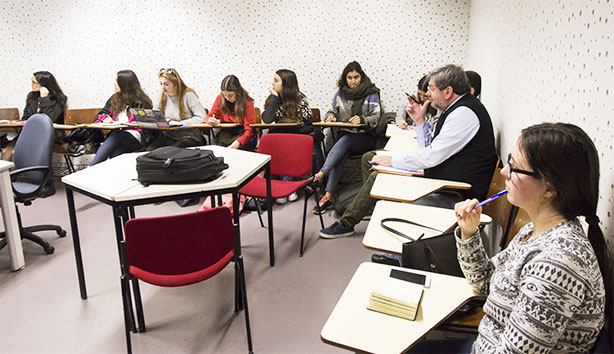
(74, 117)
(9, 114)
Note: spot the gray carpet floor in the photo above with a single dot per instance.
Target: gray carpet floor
(41, 310)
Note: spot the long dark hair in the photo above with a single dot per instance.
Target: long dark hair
(130, 92)
(290, 95)
(353, 66)
(553, 150)
(180, 89)
(46, 79)
(239, 109)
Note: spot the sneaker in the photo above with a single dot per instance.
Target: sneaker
(336, 230)
(293, 197)
(281, 201)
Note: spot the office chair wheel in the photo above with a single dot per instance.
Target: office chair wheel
(49, 249)
(62, 233)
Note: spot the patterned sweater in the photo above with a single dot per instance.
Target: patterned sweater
(544, 295)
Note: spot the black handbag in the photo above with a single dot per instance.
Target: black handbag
(435, 254)
(81, 136)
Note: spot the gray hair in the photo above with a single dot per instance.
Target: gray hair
(451, 75)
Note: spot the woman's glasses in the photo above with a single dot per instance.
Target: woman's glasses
(517, 170)
(167, 71)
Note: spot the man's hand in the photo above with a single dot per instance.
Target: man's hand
(383, 160)
(417, 112)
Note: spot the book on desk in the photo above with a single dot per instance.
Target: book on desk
(398, 294)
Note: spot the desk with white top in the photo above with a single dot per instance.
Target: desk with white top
(402, 143)
(9, 216)
(400, 188)
(352, 326)
(378, 239)
(114, 183)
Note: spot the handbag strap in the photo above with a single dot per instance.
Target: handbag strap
(399, 233)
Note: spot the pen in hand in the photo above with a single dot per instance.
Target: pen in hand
(502, 193)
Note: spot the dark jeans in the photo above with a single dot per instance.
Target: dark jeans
(348, 144)
(225, 137)
(363, 202)
(117, 142)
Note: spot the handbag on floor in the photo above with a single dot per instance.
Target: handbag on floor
(435, 254)
(171, 165)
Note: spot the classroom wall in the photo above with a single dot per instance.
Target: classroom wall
(549, 61)
(84, 44)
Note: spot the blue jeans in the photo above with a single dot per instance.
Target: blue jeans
(348, 144)
(116, 143)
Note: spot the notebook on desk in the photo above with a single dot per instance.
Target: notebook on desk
(149, 117)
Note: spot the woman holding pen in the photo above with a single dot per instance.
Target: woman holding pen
(551, 288)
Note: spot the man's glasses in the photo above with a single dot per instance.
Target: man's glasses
(168, 71)
(517, 170)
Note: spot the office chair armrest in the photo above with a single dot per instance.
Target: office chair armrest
(46, 170)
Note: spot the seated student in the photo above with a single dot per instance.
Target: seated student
(476, 83)
(47, 98)
(357, 101)
(128, 94)
(233, 105)
(551, 288)
(179, 103)
(287, 104)
(461, 148)
(403, 120)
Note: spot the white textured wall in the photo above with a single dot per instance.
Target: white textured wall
(84, 43)
(549, 61)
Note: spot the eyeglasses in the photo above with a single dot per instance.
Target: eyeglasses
(517, 170)
(168, 71)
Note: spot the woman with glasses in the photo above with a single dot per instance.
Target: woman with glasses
(233, 105)
(357, 101)
(550, 289)
(180, 104)
(46, 98)
(128, 94)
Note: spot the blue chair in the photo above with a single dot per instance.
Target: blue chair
(30, 179)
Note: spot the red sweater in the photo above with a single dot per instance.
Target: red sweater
(250, 118)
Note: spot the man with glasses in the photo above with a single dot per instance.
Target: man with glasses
(460, 148)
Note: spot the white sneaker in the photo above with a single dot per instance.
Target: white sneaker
(280, 201)
(293, 197)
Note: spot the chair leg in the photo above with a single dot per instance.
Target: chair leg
(127, 317)
(243, 287)
(317, 197)
(238, 300)
(300, 253)
(259, 211)
(61, 232)
(37, 239)
(68, 160)
(138, 303)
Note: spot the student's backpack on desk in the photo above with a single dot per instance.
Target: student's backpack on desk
(172, 165)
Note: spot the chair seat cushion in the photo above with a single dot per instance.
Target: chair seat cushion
(279, 189)
(181, 279)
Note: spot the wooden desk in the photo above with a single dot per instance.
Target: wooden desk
(402, 143)
(104, 126)
(114, 183)
(9, 216)
(409, 189)
(378, 239)
(221, 125)
(273, 125)
(338, 125)
(352, 326)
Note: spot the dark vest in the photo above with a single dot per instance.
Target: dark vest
(475, 163)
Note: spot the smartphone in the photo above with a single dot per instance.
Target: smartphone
(415, 278)
(411, 97)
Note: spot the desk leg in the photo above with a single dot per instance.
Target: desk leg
(237, 250)
(72, 213)
(269, 200)
(11, 225)
(120, 216)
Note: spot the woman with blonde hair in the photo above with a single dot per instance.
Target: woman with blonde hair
(179, 104)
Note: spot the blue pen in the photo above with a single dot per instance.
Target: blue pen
(504, 192)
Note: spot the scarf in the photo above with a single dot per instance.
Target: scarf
(358, 95)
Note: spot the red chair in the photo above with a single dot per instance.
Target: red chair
(291, 155)
(179, 250)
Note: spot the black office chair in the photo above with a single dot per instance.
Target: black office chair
(32, 173)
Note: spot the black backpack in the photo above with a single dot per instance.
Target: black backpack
(172, 165)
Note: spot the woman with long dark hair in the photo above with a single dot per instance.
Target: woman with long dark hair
(551, 288)
(233, 105)
(287, 104)
(180, 104)
(357, 101)
(128, 94)
(46, 98)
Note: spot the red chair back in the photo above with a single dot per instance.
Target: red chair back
(291, 154)
(180, 249)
